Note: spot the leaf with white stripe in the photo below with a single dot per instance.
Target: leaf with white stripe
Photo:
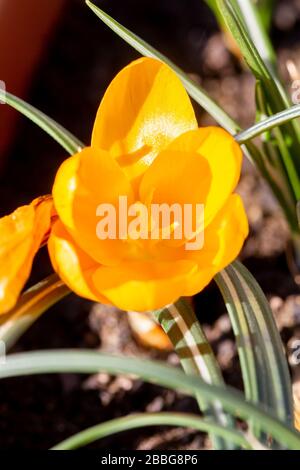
(264, 366)
(196, 356)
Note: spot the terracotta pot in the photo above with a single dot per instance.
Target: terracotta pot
(25, 29)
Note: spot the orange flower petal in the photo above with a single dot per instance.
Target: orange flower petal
(143, 110)
(224, 158)
(84, 181)
(72, 264)
(21, 234)
(178, 178)
(172, 175)
(143, 286)
(223, 241)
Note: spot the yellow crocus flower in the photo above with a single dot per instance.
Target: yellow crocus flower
(146, 145)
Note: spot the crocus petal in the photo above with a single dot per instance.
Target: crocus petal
(169, 181)
(223, 241)
(21, 234)
(72, 264)
(143, 286)
(224, 158)
(172, 175)
(143, 110)
(83, 182)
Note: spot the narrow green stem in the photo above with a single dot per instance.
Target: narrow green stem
(268, 124)
(150, 419)
(67, 140)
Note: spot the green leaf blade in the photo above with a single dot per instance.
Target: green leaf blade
(83, 361)
(196, 355)
(149, 419)
(63, 137)
(260, 339)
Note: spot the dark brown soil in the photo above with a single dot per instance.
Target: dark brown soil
(38, 412)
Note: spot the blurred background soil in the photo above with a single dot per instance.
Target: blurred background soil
(81, 59)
